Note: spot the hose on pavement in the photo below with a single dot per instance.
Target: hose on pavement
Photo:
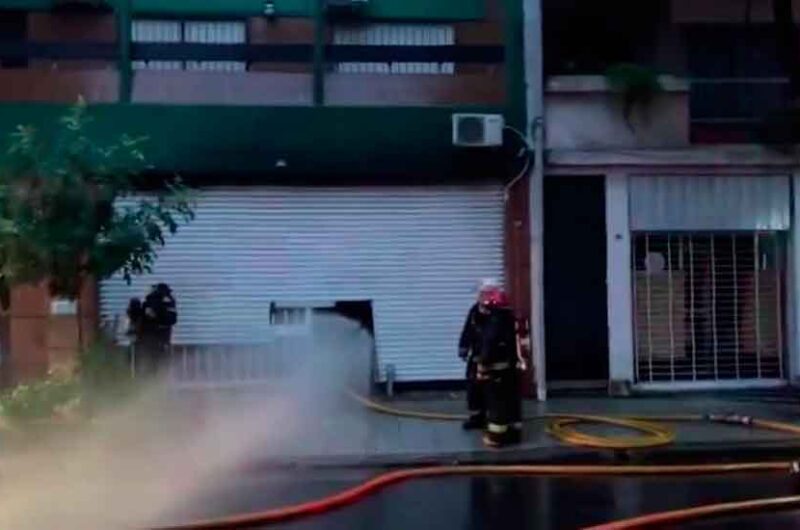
(360, 492)
(564, 427)
(675, 518)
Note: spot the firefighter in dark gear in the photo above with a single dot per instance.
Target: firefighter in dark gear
(498, 363)
(134, 315)
(468, 349)
(154, 333)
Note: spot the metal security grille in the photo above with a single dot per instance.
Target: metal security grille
(708, 307)
(202, 32)
(395, 35)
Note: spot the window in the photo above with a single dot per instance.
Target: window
(201, 32)
(395, 35)
(157, 31)
(13, 28)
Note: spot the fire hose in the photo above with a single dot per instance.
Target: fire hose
(563, 427)
(360, 492)
(676, 517)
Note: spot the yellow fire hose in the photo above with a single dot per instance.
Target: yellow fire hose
(563, 427)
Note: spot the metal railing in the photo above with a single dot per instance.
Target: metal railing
(228, 365)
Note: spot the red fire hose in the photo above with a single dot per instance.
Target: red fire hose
(370, 487)
(676, 517)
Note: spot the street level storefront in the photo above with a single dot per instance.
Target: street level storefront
(259, 259)
(708, 275)
(699, 266)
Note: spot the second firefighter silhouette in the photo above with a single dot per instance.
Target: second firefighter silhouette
(151, 324)
(489, 345)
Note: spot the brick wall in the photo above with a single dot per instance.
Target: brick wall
(35, 341)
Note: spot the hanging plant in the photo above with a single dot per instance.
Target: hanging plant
(637, 85)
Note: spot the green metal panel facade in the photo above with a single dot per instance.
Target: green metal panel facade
(324, 141)
(380, 9)
(318, 140)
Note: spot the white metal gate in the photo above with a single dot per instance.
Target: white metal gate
(415, 252)
(708, 306)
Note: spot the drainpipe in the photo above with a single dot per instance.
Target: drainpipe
(534, 99)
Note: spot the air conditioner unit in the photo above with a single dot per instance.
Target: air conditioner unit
(478, 130)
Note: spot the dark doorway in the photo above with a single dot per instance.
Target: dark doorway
(576, 325)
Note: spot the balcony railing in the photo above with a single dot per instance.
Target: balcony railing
(277, 74)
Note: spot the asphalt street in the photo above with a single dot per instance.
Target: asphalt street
(493, 502)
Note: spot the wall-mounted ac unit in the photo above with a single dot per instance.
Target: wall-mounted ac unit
(478, 130)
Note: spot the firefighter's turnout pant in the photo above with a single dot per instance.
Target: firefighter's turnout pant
(150, 356)
(503, 403)
(476, 392)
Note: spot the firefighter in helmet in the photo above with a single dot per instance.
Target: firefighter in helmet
(158, 316)
(468, 349)
(498, 363)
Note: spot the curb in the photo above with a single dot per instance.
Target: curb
(682, 453)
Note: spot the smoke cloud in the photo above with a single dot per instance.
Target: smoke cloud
(134, 466)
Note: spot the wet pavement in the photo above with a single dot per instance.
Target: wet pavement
(496, 502)
(351, 435)
(789, 520)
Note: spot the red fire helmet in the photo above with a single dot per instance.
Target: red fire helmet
(493, 297)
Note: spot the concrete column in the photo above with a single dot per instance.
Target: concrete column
(792, 369)
(535, 130)
(619, 284)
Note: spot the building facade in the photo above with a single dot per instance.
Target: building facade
(319, 139)
(651, 244)
(670, 222)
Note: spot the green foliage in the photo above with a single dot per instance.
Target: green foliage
(102, 379)
(58, 220)
(40, 399)
(105, 376)
(638, 86)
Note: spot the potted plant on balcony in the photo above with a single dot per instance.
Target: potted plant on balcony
(638, 86)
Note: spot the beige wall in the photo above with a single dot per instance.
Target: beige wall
(582, 113)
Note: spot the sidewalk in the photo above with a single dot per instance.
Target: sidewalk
(338, 431)
(360, 437)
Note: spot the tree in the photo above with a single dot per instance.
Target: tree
(69, 208)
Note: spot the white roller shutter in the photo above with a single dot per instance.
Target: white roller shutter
(697, 202)
(415, 252)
